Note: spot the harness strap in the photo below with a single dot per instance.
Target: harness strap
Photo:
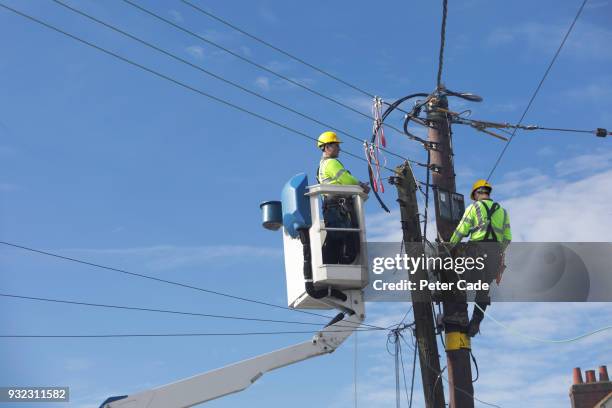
(490, 234)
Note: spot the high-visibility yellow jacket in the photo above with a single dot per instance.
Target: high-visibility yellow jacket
(331, 171)
(475, 222)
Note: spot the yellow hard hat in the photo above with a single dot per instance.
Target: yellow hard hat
(327, 137)
(479, 184)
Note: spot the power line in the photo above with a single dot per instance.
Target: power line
(218, 77)
(355, 371)
(442, 41)
(251, 62)
(599, 131)
(166, 281)
(481, 125)
(535, 93)
(440, 374)
(287, 54)
(118, 335)
(408, 399)
(179, 83)
(144, 309)
(558, 341)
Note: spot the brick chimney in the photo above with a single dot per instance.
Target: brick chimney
(586, 394)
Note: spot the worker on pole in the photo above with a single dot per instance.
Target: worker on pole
(340, 247)
(488, 226)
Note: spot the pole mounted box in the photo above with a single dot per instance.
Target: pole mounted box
(450, 206)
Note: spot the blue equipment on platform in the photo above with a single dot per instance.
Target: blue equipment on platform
(296, 205)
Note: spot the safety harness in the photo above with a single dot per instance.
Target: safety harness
(490, 235)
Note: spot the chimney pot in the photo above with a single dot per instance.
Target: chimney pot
(590, 376)
(577, 376)
(603, 373)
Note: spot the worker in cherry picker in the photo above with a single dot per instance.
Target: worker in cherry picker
(340, 247)
(488, 226)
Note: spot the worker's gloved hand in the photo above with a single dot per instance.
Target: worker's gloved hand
(365, 186)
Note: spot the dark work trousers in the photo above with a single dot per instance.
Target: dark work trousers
(340, 247)
(491, 251)
(455, 307)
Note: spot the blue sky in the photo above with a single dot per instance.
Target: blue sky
(102, 161)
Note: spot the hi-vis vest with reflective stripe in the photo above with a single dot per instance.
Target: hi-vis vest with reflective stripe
(475, 222)
(331, 171)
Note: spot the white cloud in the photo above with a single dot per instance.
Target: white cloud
(8, 187)
(267, 15)
(587, 40)
(597, 4)
(518, 182)
(176, 15)
(565, 211)
(545, 151)
(361, 103)
(246, 51)
(195, 51)
(7, 151)
(78, 364)
(503, 107)
(279, 66)
(586, 163)
(599, 90)
(263, 82)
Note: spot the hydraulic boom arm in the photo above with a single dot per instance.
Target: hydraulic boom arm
(238, 376)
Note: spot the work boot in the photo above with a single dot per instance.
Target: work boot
(474, 325)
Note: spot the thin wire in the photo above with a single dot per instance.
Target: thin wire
(481, 124)
(413, 372)
(87, 336)
(251, 62)
(216, 76)
(177, 82)
(456, 388)
(565, 130)
(520, 334)
(426, 196)
(295, 58)
(144, 309)
(355, 371)
(397, 375)
(535, 93)
(267, 44)
(442, 41)
(404, 373)
(169, 282)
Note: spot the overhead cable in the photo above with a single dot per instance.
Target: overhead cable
(532, 338)
(287, 54)
(165, 281)
(461, 390)
(145, 309)
(179, 83)
(251, 62)
(535, 93)
(121, 335)
(216, 76)
(442, 41)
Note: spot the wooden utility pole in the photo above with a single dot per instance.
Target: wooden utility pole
(461, 390)
(423, 316)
